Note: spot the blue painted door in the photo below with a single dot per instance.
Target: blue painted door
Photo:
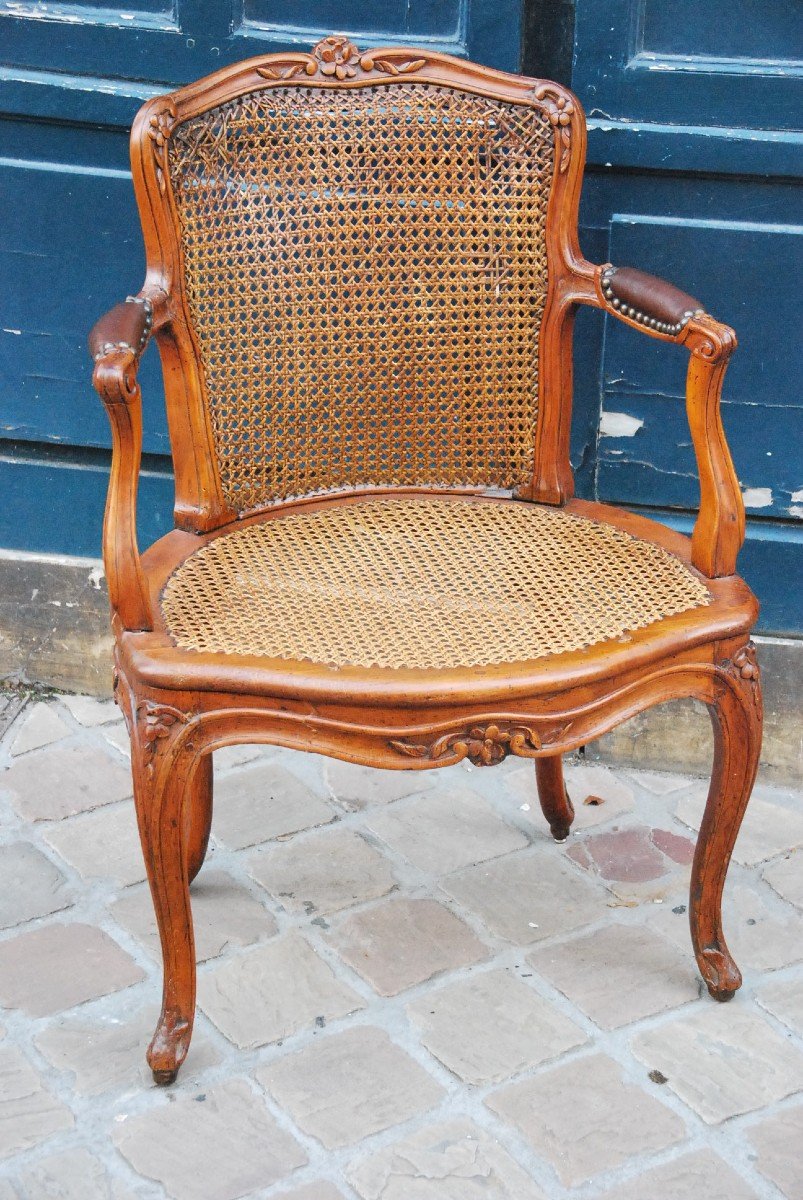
(694, 174)
(72, 77)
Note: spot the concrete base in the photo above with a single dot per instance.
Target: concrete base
(54, 623)
(54, 620)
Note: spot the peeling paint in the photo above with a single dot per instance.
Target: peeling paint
(757, 497)
(618, 424)
(95, 576)
(797, 497)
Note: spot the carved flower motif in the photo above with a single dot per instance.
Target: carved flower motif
(159, 130)
(157, 723)
(485, 747)
(745, 663)
(561, 113)
(337, 56)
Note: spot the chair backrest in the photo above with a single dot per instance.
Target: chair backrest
(356, 247)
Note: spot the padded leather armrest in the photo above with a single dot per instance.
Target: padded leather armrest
(127, 326)
(648, 300)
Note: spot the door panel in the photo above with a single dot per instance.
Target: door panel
(72, 79)
(694, 174)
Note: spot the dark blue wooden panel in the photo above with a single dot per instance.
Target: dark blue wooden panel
(621, 73)
(110, 60)
(723, 30)
(55, 506)
(643, 378)
(70, 247)
(408, 18)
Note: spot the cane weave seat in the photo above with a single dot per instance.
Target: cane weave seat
(422, 583)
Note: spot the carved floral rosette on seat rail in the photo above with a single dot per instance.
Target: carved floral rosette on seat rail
(362, 276)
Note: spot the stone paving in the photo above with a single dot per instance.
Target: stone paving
(407, 990)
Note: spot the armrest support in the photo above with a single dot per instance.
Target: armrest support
(664, 312)
(116, 343)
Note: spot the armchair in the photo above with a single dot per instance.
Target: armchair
(362, 275)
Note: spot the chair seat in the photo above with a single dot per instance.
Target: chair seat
(422, 583)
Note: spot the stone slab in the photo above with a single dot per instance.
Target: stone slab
(219, 1145)
(323, 872)
(71, 1175)
(59, 781)
(349, 1086)
(584, 1118)
(722, 1060)
(454, 1160)
(490, 1026)
(786, 877)
(40, 726)
(447, 831)
(32, 886)
(778, 1140)
(355, 787)
(620, 974)
(400, 943)
(47, 970)
(90, 712)
(768, 828)
(29, 1113)
(267, 993)
(527, 896)
(784, 999)
(263, 802)
(103, 844)
(690, 1177)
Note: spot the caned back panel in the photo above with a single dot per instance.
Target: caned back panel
(365, 273)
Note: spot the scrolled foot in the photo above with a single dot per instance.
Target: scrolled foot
(168, 1048)
(722, 977)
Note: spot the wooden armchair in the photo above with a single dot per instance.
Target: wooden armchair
(362, 275)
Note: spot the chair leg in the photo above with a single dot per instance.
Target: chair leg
(555, 803)
(198, 814)
(160, 796)
(737, 719)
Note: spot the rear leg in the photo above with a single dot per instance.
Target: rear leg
(555, 803)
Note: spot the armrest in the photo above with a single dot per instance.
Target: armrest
(662, 311)
(648, 300)
(116, 343)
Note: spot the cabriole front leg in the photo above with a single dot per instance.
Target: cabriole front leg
(736, 714)
(165, 777)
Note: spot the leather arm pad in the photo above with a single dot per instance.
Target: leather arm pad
(127, 326)
(647, 299)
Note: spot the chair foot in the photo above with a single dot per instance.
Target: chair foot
(168, 1048)
(721, 975)
(164, 1078)
(554, 799)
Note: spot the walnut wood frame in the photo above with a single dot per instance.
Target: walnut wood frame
(181, 706)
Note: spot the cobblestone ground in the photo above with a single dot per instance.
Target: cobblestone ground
(408, 991)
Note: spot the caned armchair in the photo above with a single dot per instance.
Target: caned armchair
(362, 276)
